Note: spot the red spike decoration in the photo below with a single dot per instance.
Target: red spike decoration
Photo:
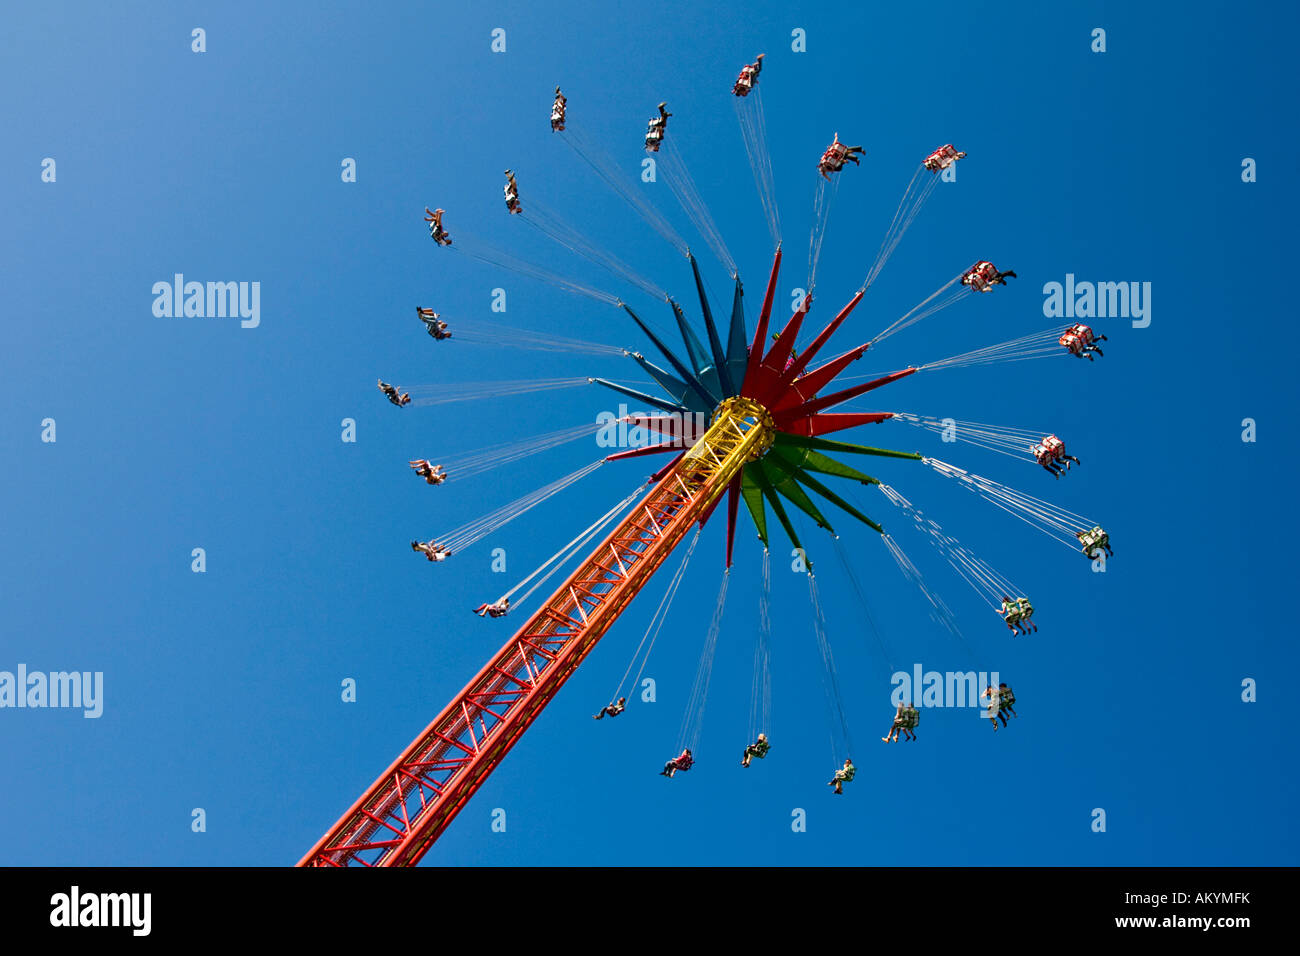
(799, 364)
(772, 366)
(813, 407)
(760, 332)
(805, 388)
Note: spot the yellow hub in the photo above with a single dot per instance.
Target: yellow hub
(745, 409)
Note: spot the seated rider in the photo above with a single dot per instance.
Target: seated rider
(1026, 612)
(1045, 457)
(974, 277)
(758, 748)
(748, 76)
(683, 761)
(398, 399)
(432, 474)
(900, 717)
(612, 710)
(1057, 448)
(434, 325)
(512, 194)
(1010, 611)
(557, 111)
(843, 776)
(1095, 538)
(654, 134)
(1080, 341)
(1006, 701)
(1000, 704)
(500, 609)
(431, 549)
(434, 219)
(905, 720)
(942, 158)
(994, 709)
(983, 276)
(911, 717)
(1050, 453)
(836, 154)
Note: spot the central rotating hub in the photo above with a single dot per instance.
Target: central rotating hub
(745, 409)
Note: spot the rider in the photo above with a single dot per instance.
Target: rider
(942, 158)
(994, 709)
(1080, 341)
(843, 775)
(758, 748)
(612, 710)
(500, 609)
(432, 474)
(1006, 700)
(1026, 612)
(1095, 538)
(557, 111)
(432, 550)
(900, 718)
(911, 717)
(1050, 452)
(1018, 613)
(684, 761)
(398, 399)
(1011, 612)
(434, 219)
(748, 76)
(434, 325)
(512, 194)
(836, 154)
(1045, 457)
(654, 134)
(983, 276)
(1057, 448)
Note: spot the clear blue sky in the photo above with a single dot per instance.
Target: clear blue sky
(222, 689)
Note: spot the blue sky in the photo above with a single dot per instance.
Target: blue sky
(222, 688)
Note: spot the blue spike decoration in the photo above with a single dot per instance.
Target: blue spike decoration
(694, 348)
(685, 374)
(715, 344)
(643, 397)
(737, 339)
(670, 384)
